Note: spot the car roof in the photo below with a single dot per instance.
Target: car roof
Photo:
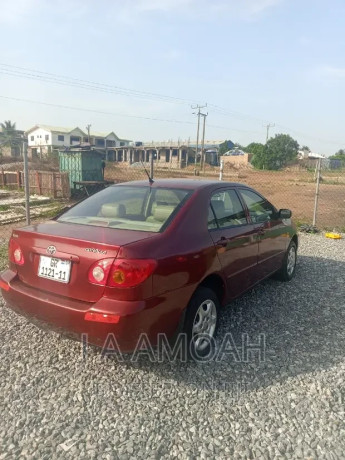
(188, 184)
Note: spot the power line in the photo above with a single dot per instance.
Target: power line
(85, 84)
(234, 113)
(117, 114)
(102, 112)
(47, 77)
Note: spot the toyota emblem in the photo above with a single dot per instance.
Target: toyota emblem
(51, 250)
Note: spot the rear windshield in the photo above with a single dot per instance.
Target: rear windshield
(129, 208)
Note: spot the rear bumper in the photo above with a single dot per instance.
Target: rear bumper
(64, 315)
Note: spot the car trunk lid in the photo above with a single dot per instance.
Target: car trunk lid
(78, 246)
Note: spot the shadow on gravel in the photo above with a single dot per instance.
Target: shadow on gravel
(302, 322)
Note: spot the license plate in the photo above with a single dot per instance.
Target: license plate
(54, 269)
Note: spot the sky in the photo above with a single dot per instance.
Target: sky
(137, 67)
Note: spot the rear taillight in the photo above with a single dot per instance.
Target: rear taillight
(123, 273)
(101, 317)
(4, 286)
(15, 253)
(130, 272)
(99, 271)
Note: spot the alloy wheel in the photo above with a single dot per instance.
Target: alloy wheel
(204, 324)
(291, 261)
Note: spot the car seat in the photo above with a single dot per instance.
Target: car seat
(160, 213)
(113, 210)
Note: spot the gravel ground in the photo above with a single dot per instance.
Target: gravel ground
(57, 403)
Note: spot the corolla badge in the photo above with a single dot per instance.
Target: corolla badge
(51, 250)
(95, 250)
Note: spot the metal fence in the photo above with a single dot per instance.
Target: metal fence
(315, 194)
(47, 183)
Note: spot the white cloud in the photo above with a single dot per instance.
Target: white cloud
(257, 6)
(243, 8)
(332, 72)
(162, 5)
(11, 12)
(305, 41)
(16, 11)
(172, 55)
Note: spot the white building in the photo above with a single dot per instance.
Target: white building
(306, 155)
(43, 139)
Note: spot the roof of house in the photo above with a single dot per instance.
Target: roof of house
(54, 129)
(100, 134)
(64, 130)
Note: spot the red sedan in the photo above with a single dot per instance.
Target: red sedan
(157, 258)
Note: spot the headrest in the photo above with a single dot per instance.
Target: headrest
(113, 210)
(218, 207)
(161, 213)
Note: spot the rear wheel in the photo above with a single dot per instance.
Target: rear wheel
(201, 323)
(288, 268)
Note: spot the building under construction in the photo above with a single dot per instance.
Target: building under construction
(165, 154)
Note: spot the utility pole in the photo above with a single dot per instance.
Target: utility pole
(203, 156)
(26, 184)
(198, 113)
(221, 169)
(317, 192)
(88, 132)
(268, 129)
(151, 164)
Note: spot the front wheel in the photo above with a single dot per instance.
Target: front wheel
(201, 323)
(288, 268)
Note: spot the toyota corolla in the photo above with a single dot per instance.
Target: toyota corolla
(158, 258)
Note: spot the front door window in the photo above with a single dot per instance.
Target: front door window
(260, 210)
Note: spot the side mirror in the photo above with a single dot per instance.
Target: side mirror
(284, 213)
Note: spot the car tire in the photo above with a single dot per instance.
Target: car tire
(201, 324)
(288, 268)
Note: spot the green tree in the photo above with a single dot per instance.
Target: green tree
(8, 127)
(254, 148)
(277, 153)
(9, 136)
(339, 155)
(224, 147)
(306, 148)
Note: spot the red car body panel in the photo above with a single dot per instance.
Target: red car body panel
(186, 252)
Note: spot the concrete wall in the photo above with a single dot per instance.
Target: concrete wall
(237, 160)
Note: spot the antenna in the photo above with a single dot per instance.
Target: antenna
(148, 175)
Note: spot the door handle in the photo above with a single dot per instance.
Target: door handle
(222, 242)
